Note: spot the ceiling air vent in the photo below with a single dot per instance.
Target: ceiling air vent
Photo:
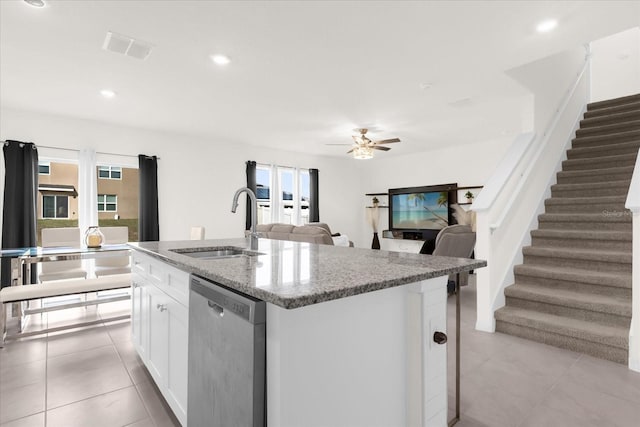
(126, 45)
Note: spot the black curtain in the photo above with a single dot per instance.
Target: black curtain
(314, 204)
(148, 224)
(19, 208)
(252, 185)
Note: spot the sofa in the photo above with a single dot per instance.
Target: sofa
(315, 232)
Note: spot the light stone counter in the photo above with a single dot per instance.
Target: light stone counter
(293, 274)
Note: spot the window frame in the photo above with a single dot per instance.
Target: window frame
(110, 171)
(48, 166)
(295, 206)
(105, 203)
(55, 203)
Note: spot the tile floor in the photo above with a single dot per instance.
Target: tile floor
(80, 377)
(93, 377)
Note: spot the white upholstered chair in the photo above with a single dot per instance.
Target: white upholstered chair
(59, 270)
(115, 264)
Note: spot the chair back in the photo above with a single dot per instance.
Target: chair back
(455, 241)
(114, 236)
(197, 233)
(61, 237)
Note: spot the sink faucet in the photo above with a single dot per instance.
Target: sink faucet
(253, 235)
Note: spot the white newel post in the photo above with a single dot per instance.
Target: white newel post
(485, 321)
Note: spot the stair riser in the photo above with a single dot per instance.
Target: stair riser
(622, 108)
(594, 207)
(594, 178)
(590, 164)
(608, 319)
(603, 351)
(613, 190)
(587, 265)
(615, 245)
(593, 153)
(599, 289)
(608, 130)
(610, 119)
(605, 141)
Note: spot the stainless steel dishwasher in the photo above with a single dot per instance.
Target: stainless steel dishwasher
(227, 340)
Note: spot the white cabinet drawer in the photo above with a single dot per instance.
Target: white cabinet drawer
(171, 280)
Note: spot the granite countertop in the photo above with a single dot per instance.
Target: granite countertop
(294, 274)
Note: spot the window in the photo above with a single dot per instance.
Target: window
(109, 172)
(44, 168)
(55, 206)
(290, 203)
(107, 203)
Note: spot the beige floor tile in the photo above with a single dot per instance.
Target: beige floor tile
(157, 406)
(570, 404)
(118, 408)
(36, 420)
(85, 383)
(82, 360)
(23, 351)
(14, 377)
(144, 423)
(608, 377)
(119, 331)
(22, 401)
(74, 340)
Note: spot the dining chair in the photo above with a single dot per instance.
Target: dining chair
(59, 270)
(117, 264)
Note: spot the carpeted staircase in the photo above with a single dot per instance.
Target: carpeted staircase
(574, 288)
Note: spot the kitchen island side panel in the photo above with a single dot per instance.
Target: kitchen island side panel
(359, 361)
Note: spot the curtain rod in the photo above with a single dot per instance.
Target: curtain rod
(77, 151)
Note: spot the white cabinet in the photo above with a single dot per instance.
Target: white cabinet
(160, 327)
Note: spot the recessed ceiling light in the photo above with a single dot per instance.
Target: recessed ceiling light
(107, 93)
(546, 26)
(35, 3)
(220, 59)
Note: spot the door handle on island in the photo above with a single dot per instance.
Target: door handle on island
(161, 307)
(439, 337)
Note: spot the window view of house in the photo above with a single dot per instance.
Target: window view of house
(292, 205)
(118, 198)
(117, 202)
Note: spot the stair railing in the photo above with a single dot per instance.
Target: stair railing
(508, 206)
(633, 204)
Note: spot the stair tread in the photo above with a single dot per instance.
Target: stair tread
(570, 274)
(584, 300)
(592, 172)
(604, 111)
(558, 200)
(592, 185)
(606, 147)
(590, 254)
(583, 235)
(606, 139)
(612, 116)
(601, 159)
(586, 330)
(583, 217)
(608, 128)
(623, 100)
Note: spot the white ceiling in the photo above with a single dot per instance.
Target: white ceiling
(303, 74)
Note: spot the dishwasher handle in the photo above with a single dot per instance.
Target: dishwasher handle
(218, 309)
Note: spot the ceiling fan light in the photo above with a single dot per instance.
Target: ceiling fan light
(362, 153)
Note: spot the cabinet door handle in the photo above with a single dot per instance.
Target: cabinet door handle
(161, 307)
(439, 337)
(135, 285)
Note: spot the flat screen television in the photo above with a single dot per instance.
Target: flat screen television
(421, 208)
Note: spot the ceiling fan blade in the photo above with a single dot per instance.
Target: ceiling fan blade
(351, 151)
(387, 141)
(375, 147)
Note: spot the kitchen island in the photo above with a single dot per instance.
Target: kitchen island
(349, 332)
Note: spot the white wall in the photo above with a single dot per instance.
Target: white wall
(615, 66)
(196, 177)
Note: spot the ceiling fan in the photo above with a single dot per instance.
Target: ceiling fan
(364, 146)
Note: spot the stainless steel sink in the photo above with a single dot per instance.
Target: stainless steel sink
(216, 252)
